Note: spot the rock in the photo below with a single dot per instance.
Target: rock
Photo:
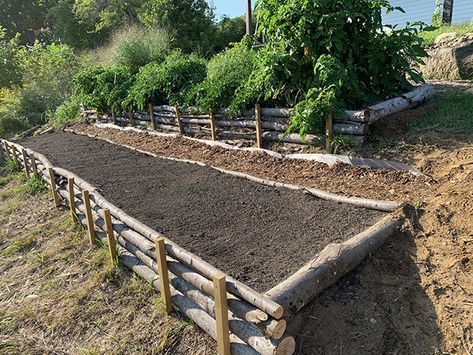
(445, 38)
(453, 62)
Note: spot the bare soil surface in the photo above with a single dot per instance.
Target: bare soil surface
(258, 234)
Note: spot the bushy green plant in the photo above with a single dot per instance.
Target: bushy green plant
(225, 73)
(168, 82)
(9, 70)
(67, 112)
(35, 186)
(323, 55)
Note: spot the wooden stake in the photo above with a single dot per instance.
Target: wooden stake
(212, 127)
(2, 155)
(88, 215)
(57, 201)
(15, 156)
(114, 117)
(221, 314)
(328, 134)
(151, 116)
(179, 121)
(112, 244)
(7, 151)
(259, 141)
(25, 161)
(34, 166)
(163, 274)
(72, 202)
(131, 118)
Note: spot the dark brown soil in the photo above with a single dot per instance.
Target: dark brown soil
(256, 233)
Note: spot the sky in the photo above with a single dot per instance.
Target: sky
(232, 8)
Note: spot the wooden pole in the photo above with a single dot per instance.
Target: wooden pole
(15, 156)
(88, 214)
(447, 13)
(131, 118)
(34, 166)
(151, 116)
(114, 117)
(7, 152)
(112, 244)
(72, 202)
(179, 120)
(25, 161)
(249, 19)
(259, 141)
(163, 274)
(328, 134)
(212, 127)
(221, 314)
(2, 155)
(53, 188)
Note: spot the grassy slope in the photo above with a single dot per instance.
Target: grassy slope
(430, 36)
(58, 295)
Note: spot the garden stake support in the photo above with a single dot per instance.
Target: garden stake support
(112, 244)
(328, 134)
(88, 215)
(151, 116)
(212, 127)
(34, 167)
(15, 157)
(2, 155)
(163, 274)
(179, 121)
(114, 117)
(221, 314)
(259, 141)
(25, 160)
(57, 201)
(72, 205)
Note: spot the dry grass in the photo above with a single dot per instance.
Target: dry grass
(59, 295)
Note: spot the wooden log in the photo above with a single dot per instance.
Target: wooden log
(25, 160)
(259, 137)
(236, 135)
(151, 115)
(72, 205)
(212, 127)
(291, 138)
(52, 183)
(163, 274)
(335, 261)
(88, 214)
(34, 165)
(112, 246)
(179, 121)
(350, 128)
(328, 134)
(221, 314)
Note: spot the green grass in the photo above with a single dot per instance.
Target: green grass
(453, 112)
(430, 36)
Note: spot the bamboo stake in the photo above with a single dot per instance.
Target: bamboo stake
(72, 204)
(328, 134)
(179, 120)
(259, 141)
(112, 245)
(25, 160)
(221, 314)
(163, 274)
(151, 115)
(88, 214)
(33, 165)
(212, 127)
(53, 187)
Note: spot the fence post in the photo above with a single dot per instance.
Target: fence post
(179, 121)
(52, 177)
(112, 245)
(2, 155)
(72, 199)
(163, 274)
(15, 156)
(7, 153)
(88, 215)
(131, 117)
(328, 134)
(212, 127)
(25, 160)
(34, 166)
(151, 116)
(259, 138)
(221, 314)
(114, 117)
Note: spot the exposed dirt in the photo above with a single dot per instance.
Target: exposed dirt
(60, 296)
(340, 178)
(246, 229)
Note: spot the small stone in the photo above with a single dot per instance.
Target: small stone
(373, 321)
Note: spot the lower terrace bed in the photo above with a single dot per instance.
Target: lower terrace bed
(258, 234)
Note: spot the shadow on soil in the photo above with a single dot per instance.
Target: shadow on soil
(379, 308)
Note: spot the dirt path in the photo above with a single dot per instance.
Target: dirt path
(256, 233)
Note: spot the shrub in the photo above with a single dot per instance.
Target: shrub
(69, 111)
(168, 82)
(225, 73)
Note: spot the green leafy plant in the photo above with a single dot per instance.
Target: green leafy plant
(35, 186)
(67, 112)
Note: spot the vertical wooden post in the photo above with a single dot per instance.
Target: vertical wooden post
(57, 202)
(151, 116)
(212, 127)
(131, 117)
(7, 152)
(163, 274)
(114, 117)
(259, 135)
(15, 156)
(112, 244)
(447, 13)
(179, 121)
(25, 161)
(72, 199)
(328, 134)
(221, 314)
(88, 215)
(34, 166)
(2, 155)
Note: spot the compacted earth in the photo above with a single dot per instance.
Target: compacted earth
(255, 233)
